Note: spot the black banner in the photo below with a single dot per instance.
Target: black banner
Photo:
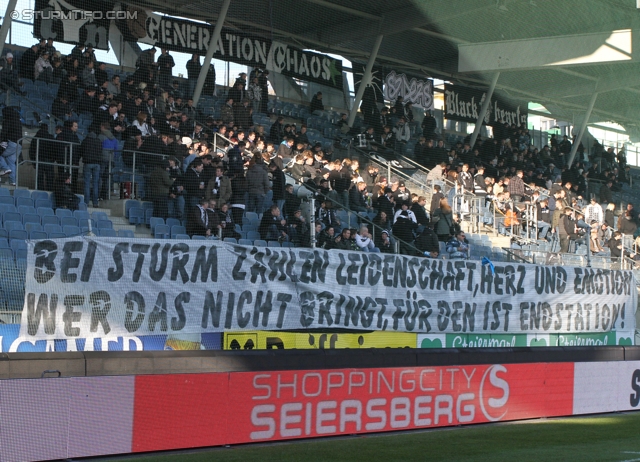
(62, 21)
(464, 103)
(194, 37)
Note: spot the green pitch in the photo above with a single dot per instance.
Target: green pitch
(609, 438)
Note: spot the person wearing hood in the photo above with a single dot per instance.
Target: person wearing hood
(91, 153)
(9, 136)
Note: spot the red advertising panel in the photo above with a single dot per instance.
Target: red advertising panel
(192, 410)
(301, 404)
(180, 411)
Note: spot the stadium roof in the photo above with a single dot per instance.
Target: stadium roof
(428, 38)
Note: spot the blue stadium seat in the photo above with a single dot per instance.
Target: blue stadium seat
(177, 229)
(105, 224)
(154, 222)
(51, 228)
(30, 218)
(97, 216)
(84, 223)
(172, 222)
(260, 243)
(162, 232)
(129, 203)
(136, 216)
(4, 192)
(273, 244)
(36, 195)
(24, 201)
(4, 208)
(25, 209)
(81, 214)
(22, 193)
(253, 235)
(107, 232)
(68, 221)
(245, 242)
(38, 235)
(39, 203)
(61, 213)
(197, 237)
(28, 227)
(49, 219)
(71, 230)
(183, 237)
(57, 235)
(18, 235)
(230, 240)
(7, 200)
(126, 233)
(11, 216)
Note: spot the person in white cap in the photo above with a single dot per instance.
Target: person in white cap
(9, 73)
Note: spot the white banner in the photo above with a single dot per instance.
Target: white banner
(86, 287)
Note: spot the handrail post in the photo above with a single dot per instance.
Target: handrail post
(133, 177)
(37, 159)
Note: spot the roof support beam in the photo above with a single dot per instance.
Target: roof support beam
(483, 108)
(583, 129)
(6, 23)
(366, 80)
(213, 45)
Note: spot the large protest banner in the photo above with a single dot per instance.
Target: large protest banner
(85, 287)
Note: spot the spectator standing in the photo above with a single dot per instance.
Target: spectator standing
(257, 185)
(91, 153)
(193, 72)
(165, 69)
(316, 103)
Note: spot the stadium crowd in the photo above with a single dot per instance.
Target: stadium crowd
(212, 181)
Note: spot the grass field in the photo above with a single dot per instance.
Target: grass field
(614, 437)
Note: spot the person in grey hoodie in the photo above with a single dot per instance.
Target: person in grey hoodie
(258, 186)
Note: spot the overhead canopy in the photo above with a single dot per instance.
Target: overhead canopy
(555, 68)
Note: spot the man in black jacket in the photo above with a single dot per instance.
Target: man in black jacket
(194, 184)
(91, 153)
(427, 243)
(419, 211)
(273, 227)
(278, 182)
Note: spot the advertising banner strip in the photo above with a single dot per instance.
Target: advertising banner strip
(271, 406)
(84, 287)
(56, 419)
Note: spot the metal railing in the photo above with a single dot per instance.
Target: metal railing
(71, 152)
